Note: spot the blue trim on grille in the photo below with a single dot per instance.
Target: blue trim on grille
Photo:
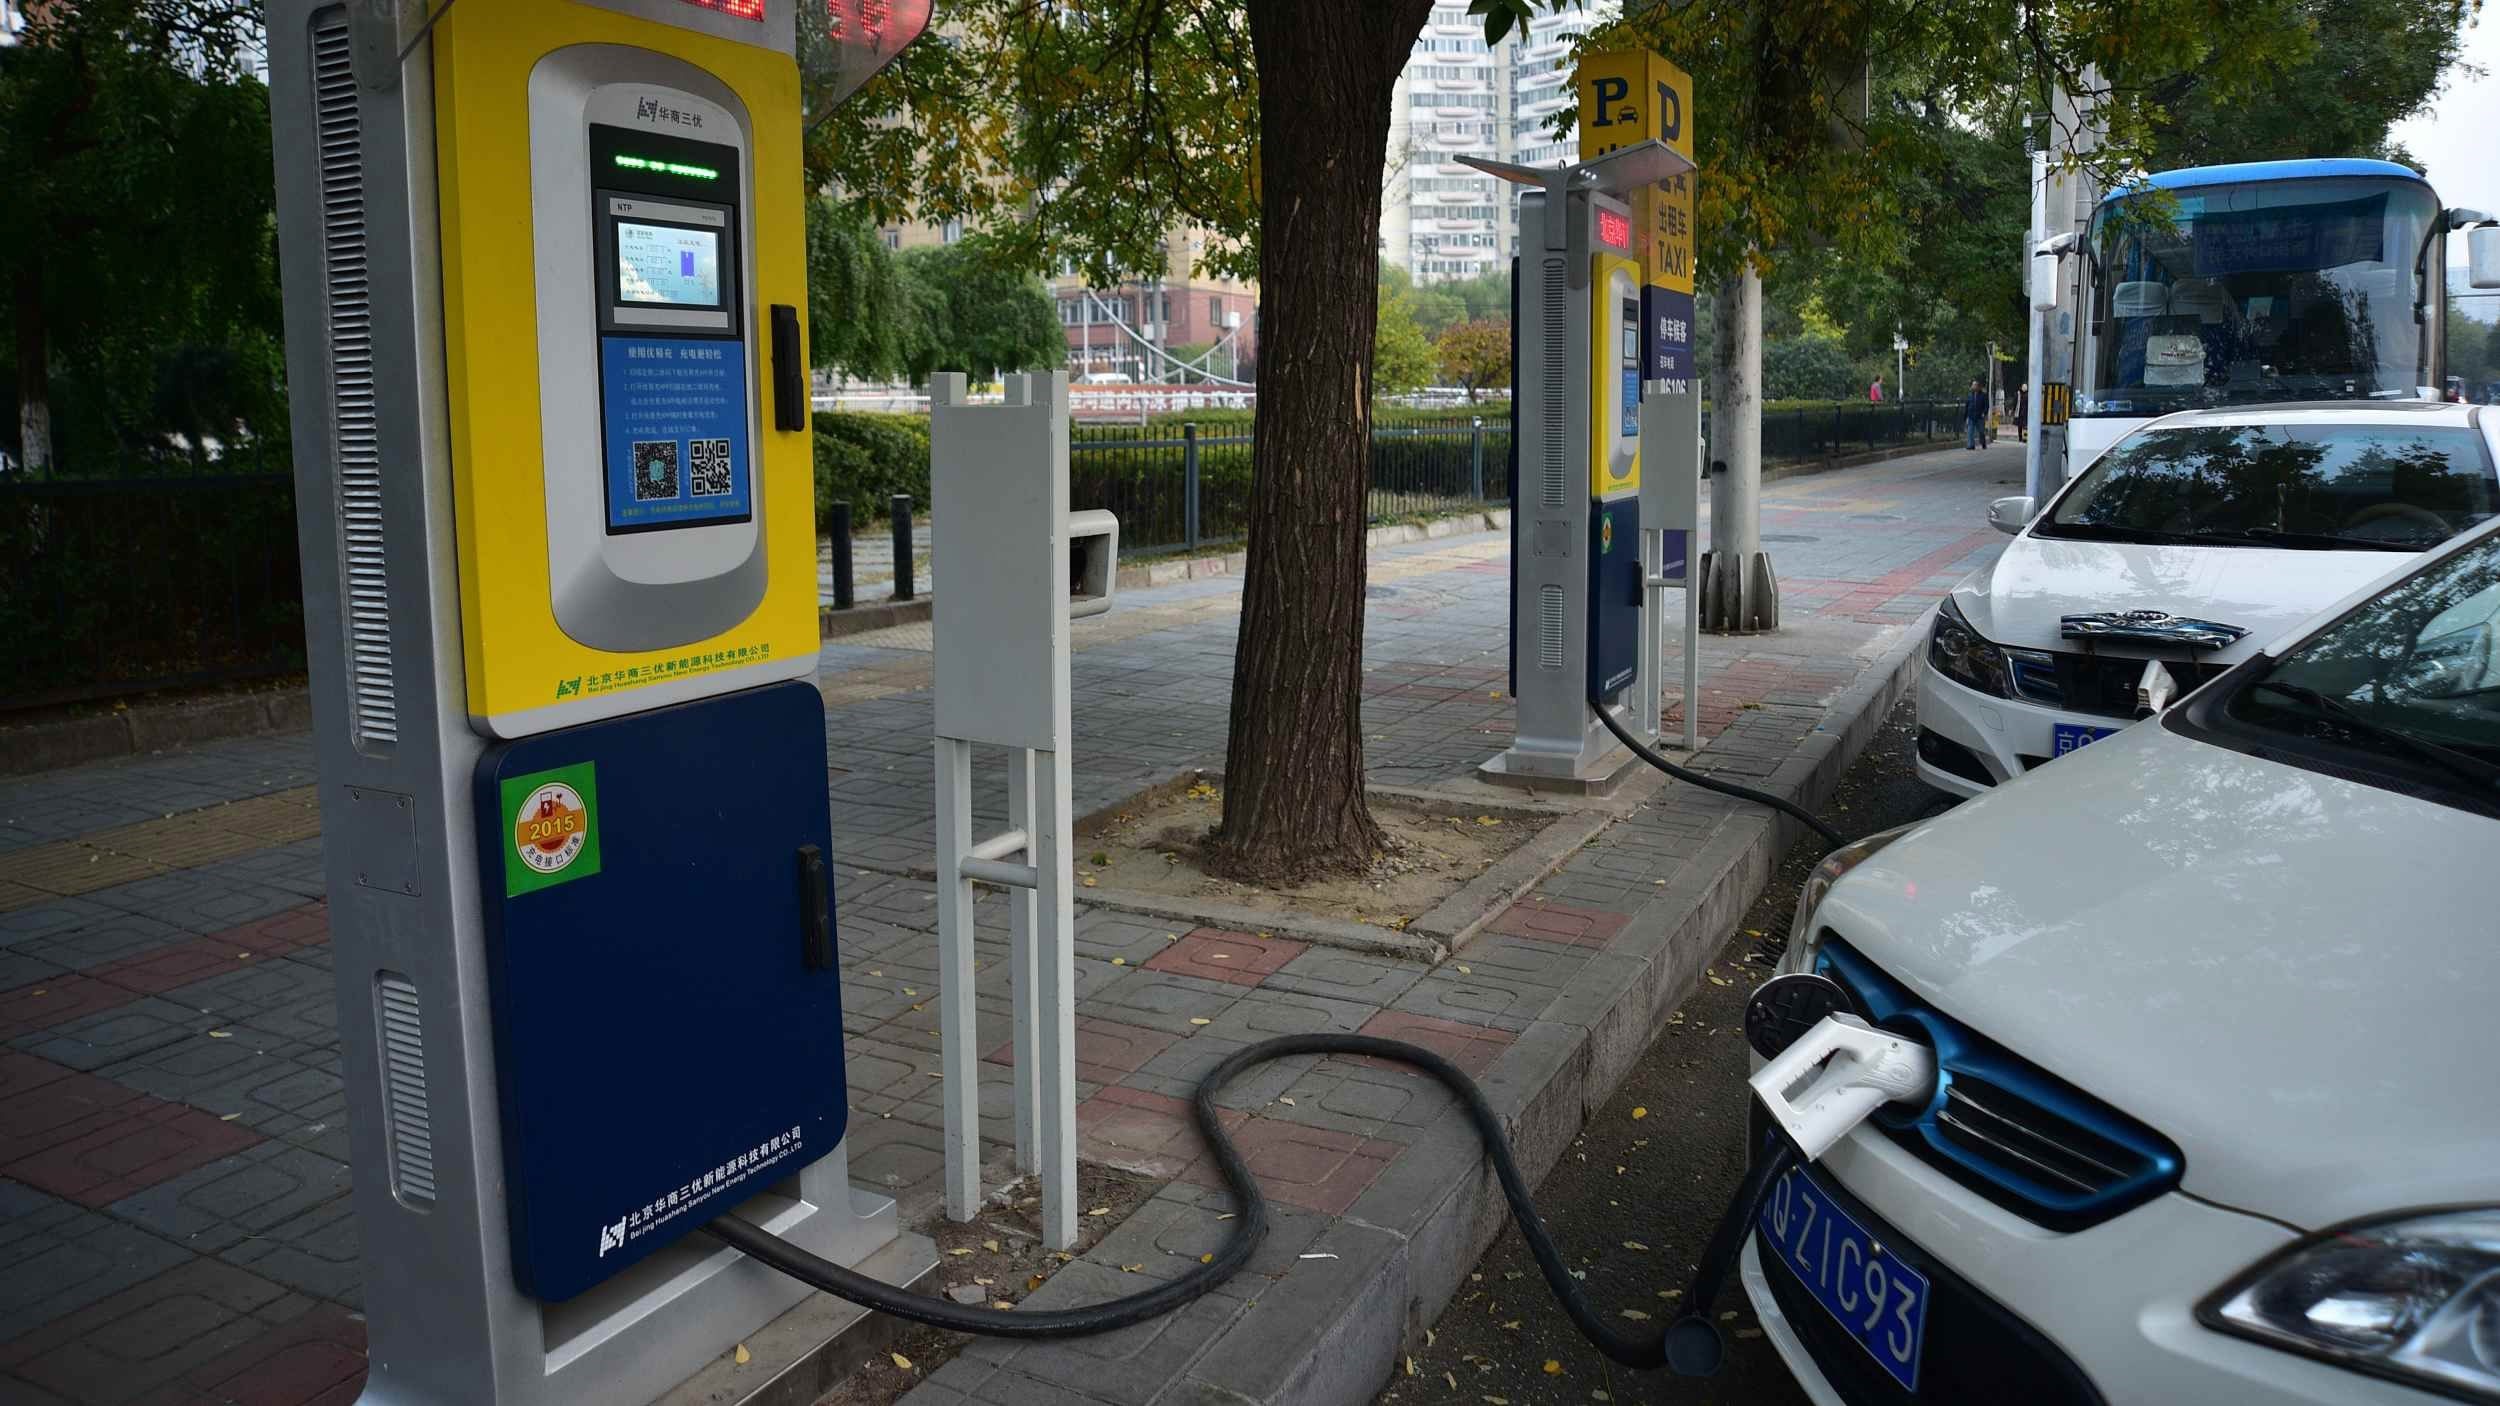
(2128, 1163)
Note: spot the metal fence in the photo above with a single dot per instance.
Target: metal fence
(1193, 489)
(1805, 433)
(116, 586)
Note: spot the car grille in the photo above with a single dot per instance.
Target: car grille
(2004, 1127)
(2099, 683)
(1977, 1352)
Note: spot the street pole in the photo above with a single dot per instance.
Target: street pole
(2038, 326)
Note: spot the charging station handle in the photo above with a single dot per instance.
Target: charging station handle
(790, 405)
(815, 911)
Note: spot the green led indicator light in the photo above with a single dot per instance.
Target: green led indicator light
(671, 168)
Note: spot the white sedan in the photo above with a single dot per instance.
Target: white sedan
(2172, 558)
(2218, 1116)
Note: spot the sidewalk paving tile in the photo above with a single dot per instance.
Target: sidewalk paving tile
(1238, 957)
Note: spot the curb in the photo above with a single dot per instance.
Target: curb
(833, 624)
(150, 727)
(1436, 1209)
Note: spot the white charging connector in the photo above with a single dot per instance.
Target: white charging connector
(1835, 1075)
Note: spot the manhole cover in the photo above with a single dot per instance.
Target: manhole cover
(1790, 537)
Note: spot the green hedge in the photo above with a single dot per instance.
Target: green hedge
(867, 458)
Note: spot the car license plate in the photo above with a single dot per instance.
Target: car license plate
(1871, 1293)
(2071, 737)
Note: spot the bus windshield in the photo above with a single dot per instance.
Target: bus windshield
(2298, 289)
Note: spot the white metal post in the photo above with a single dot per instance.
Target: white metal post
(1053, 1000)
(1024, 974)
(958, 1022)
(999, 491)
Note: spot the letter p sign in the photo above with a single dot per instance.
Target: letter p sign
(1607, 94)
(1670, 114)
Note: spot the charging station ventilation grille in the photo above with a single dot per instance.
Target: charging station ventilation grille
(1553, 345)
(1549, 627)
(411, 1121)
(355, 428)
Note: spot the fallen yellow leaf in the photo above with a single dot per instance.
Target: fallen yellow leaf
(990, 1245)
(1511, 1327)
(1552, 1367)
(1636, 1315)
(900, 1360)
(1200, 1020)
(740, 1356)
(221, 1034)
(1119, 961)
(1634, 1245)
(1099, 1211)
(962, 1250)
(1208, 1258)
(1640, 1112)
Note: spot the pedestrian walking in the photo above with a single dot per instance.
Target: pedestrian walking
(1974, 414)
(1875, 391)
(2022, 412)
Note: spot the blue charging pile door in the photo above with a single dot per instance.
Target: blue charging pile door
(660, 948)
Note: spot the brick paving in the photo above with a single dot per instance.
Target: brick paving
(172, 1122)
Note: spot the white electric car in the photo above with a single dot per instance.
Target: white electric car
(2174, 556)
(2218, 1112)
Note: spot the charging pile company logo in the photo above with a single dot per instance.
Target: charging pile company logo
(551, 828)
(611, 1237)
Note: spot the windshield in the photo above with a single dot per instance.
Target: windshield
(2409, 675)
(2300, 289)
(2400, 487)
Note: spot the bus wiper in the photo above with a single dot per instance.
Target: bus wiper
(2301, 541)
(2421, 747)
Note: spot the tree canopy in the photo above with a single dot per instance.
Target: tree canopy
(1475, 353)
(136, 313)
(879, 315)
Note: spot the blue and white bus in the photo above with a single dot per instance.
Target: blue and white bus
(2269, 280)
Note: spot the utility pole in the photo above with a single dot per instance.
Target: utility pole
(1900, 382)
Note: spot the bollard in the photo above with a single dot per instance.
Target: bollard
(902, 546)
(1189, 484)
(842, 555)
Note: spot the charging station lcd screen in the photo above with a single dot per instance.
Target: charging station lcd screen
(667, 265)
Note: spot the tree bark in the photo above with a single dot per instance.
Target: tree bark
(1293, 765)
(34, 379)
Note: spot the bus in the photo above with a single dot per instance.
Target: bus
(2268, 280)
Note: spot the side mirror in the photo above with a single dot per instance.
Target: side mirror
(2482, 255)
(1093, 561)
(2044, 282)
(2007, 515)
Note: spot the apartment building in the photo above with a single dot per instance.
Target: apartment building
(1458, 97)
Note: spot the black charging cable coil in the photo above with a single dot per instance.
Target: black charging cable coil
(1690, 1345)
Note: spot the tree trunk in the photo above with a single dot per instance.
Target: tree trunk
(1293, 764)
(34, 380)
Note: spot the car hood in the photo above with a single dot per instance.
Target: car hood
(2288, 974)
(2019, 598)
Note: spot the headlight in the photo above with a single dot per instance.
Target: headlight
(1958, 652)
(2416, 1299)
(1800, 954)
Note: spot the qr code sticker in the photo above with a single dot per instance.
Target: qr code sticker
(655, 469)
(709, 467)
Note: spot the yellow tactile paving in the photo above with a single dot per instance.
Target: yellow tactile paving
(184, 840)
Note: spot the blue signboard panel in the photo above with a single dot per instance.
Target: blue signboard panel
(1667, 334)
(673, 414)
(1673, 546)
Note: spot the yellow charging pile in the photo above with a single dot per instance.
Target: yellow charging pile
(562, 621)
